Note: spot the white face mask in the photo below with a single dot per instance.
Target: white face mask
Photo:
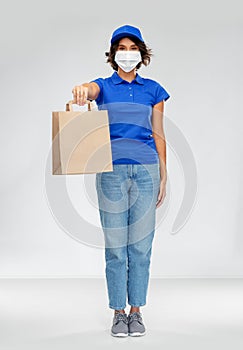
(128, 60)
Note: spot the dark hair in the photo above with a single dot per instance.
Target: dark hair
(146, 53)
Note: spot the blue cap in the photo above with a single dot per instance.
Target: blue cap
(126, 31)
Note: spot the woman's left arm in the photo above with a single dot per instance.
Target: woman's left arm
(160, 142)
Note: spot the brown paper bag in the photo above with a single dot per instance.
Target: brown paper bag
(80, 142)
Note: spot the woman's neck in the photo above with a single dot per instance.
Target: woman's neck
(130, 76)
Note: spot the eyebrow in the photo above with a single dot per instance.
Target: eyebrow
(125, 45)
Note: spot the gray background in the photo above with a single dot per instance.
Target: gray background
(47, 48)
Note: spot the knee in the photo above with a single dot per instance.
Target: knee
(116, 255)
(139, 254)
(140, 259)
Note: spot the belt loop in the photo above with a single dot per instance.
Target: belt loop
(129, 171)
(134, 170)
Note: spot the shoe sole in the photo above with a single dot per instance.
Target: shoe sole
(119, 335)
(137, 334)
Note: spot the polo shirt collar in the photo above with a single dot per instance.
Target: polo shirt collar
(116, 79)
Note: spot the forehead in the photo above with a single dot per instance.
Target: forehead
(126, 41)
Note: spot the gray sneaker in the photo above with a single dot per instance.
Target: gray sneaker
(120, 325)
(135, 324)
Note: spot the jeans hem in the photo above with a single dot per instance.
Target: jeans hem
(117, 308)
(136, 305)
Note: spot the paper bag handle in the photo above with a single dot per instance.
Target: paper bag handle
(69, 106)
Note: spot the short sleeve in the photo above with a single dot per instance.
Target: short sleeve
(100, 83)
(160, 94)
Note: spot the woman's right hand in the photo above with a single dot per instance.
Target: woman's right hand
(80, 94)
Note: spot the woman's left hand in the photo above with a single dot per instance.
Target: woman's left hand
(162, 194)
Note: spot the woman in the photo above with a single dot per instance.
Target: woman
(129, 195)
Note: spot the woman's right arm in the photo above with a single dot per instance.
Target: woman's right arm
(84, 92)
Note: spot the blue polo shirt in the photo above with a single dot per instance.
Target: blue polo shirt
(129, 107)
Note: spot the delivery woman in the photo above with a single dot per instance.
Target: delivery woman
(129, 195)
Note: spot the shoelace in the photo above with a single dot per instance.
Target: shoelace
(121, 317)
(135, 316)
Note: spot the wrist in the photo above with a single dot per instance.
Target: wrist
(163, 176)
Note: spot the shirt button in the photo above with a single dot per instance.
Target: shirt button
(130, 94)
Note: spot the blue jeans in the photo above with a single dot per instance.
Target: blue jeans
(127, 206)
